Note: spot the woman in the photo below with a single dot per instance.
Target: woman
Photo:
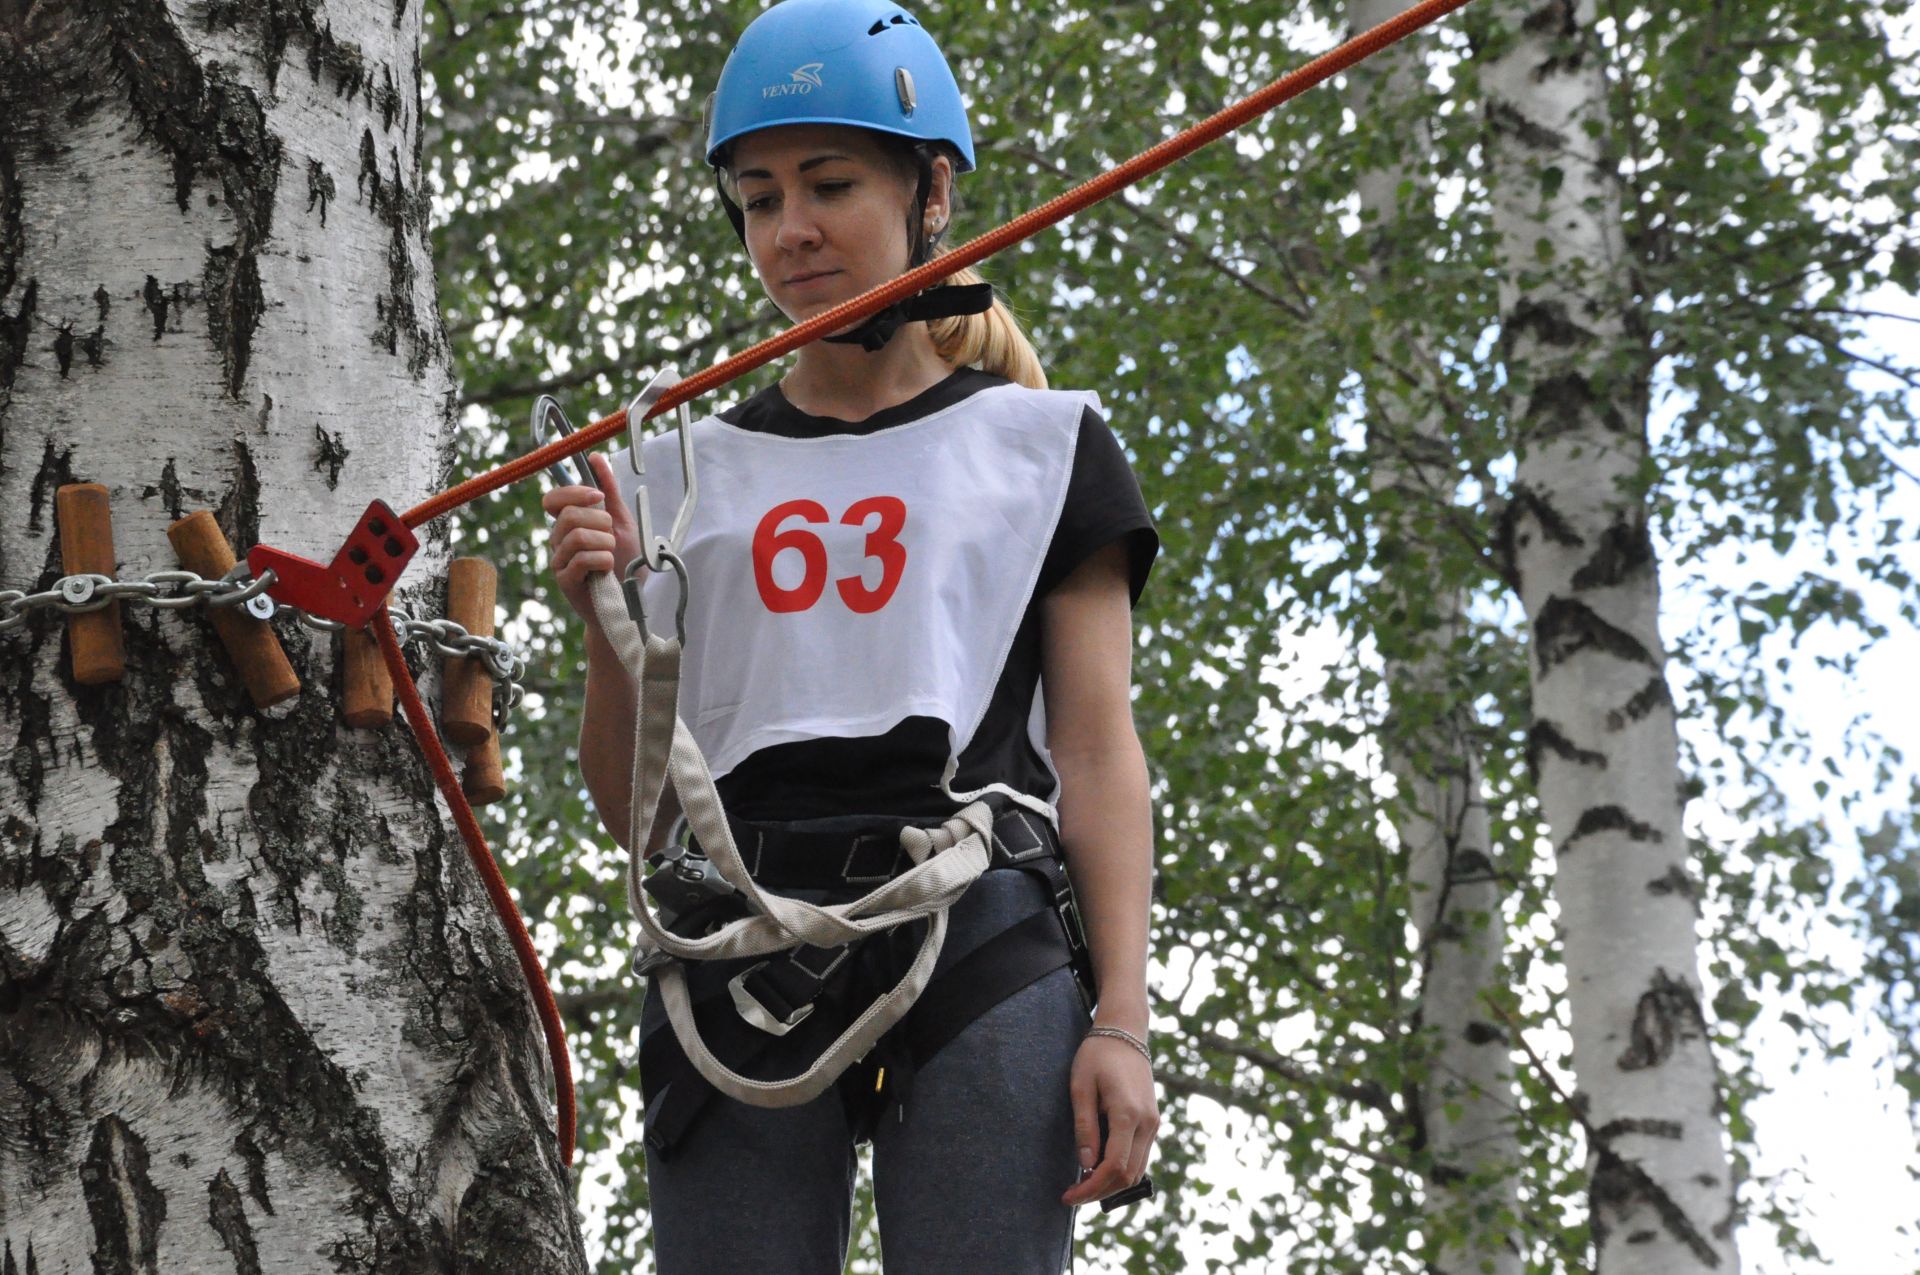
(912, 573)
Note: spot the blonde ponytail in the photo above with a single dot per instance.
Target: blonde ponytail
(992, 342)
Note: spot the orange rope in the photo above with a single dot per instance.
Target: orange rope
(503, 905)
(1054, 210)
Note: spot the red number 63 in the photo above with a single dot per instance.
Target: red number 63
(883, 542)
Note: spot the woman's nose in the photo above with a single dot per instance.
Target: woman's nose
(797, 231)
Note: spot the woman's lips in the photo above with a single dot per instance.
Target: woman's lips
(809, 276)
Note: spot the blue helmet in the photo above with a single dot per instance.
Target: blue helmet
(865, 63)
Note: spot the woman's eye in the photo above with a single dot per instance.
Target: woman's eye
(758, 203)
(834, 187)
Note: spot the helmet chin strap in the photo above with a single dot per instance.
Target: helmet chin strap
(943, 302)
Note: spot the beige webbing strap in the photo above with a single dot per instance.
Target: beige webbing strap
(946, 861)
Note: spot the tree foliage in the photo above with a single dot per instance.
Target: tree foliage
(1220, 312)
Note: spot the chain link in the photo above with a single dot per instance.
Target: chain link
(173, 589)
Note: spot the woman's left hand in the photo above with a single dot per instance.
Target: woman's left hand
(1111, 1079)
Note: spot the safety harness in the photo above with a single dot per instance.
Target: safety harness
(765, 1013)
(784, 956)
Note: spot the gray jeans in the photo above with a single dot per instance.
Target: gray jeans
(968, 1181)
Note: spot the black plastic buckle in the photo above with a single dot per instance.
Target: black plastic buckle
(872, 859)
(762, 1001)
(1017, 841)
(1141, 1190)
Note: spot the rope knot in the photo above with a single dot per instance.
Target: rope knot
(923, 843)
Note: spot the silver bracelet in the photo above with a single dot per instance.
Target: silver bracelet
(1121, 1033)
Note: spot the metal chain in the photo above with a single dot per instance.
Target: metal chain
(175, 589)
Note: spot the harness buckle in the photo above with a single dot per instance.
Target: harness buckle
(651, 961)
(703, 875)
(1020, 841)
(750, 1008)
(1025, 844)
(793, 997)
(682, 881)
(857, 869)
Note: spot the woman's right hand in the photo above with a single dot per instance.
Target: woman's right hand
(590, 533)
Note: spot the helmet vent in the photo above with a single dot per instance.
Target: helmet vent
(897, 20)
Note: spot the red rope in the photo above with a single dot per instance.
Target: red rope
(1054, 210)
(503, 905)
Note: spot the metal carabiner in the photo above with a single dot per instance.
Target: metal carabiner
(637, 609)
(548, 423)
(654, 549)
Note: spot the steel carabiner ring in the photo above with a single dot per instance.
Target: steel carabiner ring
(550, 422)
(637, 609)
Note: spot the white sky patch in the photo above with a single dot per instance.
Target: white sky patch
(1842, 1122)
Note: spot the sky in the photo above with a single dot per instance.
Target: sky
(1842, 1121)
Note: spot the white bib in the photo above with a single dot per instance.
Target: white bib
(843, 583)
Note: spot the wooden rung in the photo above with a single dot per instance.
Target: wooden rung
(252, 645)
(483, 779)
(466, 695)
(85, 519)
(366, 687)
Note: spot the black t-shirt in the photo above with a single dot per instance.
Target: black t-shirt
(898, 772)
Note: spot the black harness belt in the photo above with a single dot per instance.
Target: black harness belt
(763, 1014)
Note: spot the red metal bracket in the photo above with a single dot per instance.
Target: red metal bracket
(351, 587)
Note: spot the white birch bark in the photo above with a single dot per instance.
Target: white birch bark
(1603, 737)
(1465, 1087)
(257, 1014)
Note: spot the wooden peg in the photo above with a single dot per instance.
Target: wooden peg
(483, 779)
(252, 645)
(466, 697)
(86, 547)
(366, 687)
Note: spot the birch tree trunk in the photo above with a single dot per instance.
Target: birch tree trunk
(1603, 737)
(1465, 1087)
(257, 1014)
